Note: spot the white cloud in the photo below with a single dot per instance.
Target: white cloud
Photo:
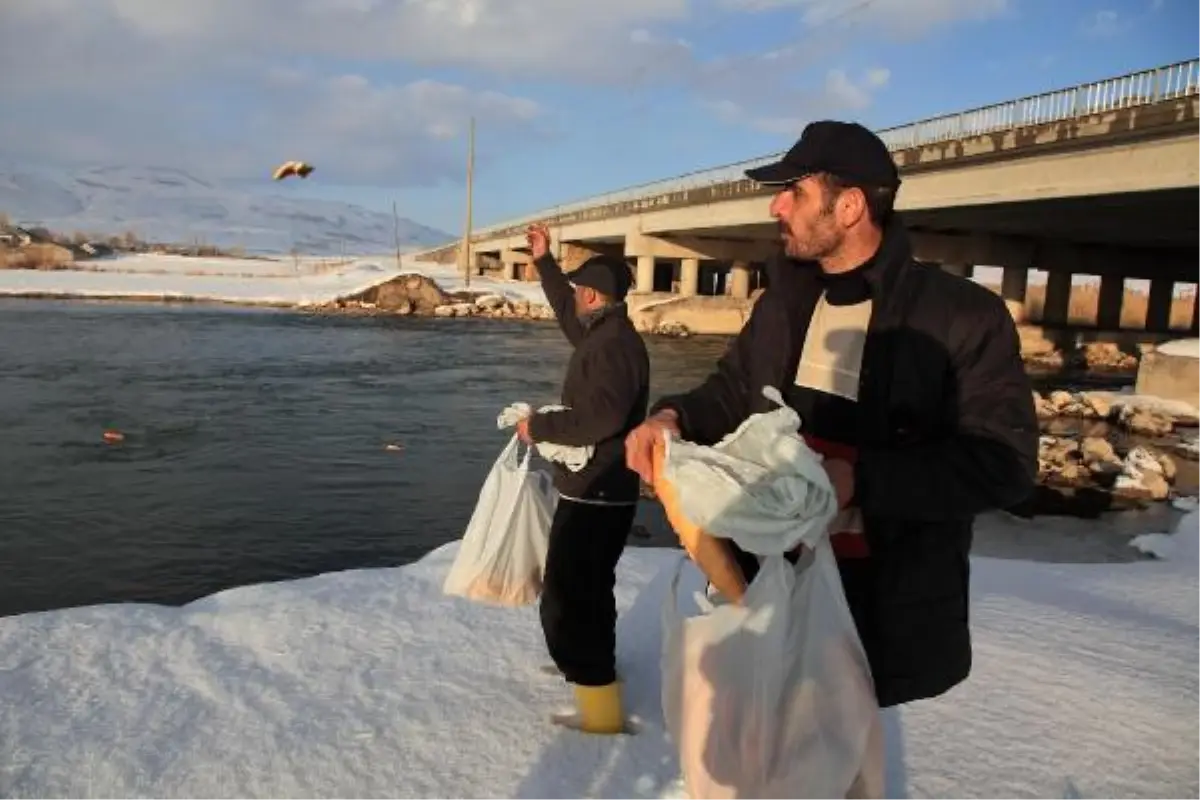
(1102, 24)
(839, 95)
(903, 18)
(233, 85)
(218, 83)
(583, 41)
(354, 130)
(762, 89)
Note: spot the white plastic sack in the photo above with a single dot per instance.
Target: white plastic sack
(761, 486)
(502, 556)
(773, 697)
(572, 457)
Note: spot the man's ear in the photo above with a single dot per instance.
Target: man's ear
(852, 205)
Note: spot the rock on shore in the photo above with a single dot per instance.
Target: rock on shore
(1101, 453)
(1040, 352)
(418, 295)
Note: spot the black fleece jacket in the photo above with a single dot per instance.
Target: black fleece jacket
(606, 391)
(945, 430)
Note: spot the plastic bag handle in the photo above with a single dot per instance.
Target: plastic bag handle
(510, 455)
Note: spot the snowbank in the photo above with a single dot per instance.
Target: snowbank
(1180, 347)
(243, 281)
(1168, 546)
(1128, 398)
(371, 682)
(355, 277)
(451, 280)
(277, 267)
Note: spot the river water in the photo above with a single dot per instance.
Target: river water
(255, 441)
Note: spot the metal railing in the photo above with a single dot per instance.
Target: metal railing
(1136, 88)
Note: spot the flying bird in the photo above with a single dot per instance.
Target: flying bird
(287, 168)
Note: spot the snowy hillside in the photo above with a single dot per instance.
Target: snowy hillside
(170, 205)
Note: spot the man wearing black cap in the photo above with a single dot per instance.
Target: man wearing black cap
(606, 391)
(907, 379)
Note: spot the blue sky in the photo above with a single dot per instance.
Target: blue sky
(570, 100)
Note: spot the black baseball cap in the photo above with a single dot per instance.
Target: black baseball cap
(846, 150)
(606, 274)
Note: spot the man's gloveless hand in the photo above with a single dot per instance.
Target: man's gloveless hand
(639, 444)
(538, 238)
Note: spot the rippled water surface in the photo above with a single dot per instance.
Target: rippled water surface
(255, 441)
(256, 445)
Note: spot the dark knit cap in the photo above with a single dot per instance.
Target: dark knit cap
(845, 149)
(608, 275)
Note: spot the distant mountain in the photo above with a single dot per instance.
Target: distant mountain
(164, 204)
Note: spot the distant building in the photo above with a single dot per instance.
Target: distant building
(15, 236)
(96, 249)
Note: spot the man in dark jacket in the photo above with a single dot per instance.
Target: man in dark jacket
(606, 391)
(907, 379)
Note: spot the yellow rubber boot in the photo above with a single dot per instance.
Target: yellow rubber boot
(598, 709)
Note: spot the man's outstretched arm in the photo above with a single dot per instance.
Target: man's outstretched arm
(560, 295)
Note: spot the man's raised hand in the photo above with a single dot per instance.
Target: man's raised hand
(538, 237)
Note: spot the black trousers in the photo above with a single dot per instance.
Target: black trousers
(578, 609)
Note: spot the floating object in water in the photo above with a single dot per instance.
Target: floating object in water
(301, 168)
(113, 436)
(393, 446)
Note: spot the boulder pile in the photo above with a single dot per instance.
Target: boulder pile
(1150, 420)
(1119, 443)
(1142, 473)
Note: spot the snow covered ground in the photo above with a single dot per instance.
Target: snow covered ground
(275, 266)
(1181, 347)
(248, 281)
(451, 280)
(371, 682)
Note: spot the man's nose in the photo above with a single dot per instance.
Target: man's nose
(777, 205)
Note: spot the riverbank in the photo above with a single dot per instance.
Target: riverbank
(1102, 451)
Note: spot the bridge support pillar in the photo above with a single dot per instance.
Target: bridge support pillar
(739, 279)
(689, 277)
(1158, 307)
(959, 269)
(513, 261)
(1112, 295)
(645, 275)
(1013, 287)
(1057, 305)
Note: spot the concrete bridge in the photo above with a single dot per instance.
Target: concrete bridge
(1099, 179)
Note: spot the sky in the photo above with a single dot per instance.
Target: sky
(570, 98)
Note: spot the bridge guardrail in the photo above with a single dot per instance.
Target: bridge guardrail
(1125, 91)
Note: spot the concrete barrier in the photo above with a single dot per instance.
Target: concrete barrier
(1171, 370)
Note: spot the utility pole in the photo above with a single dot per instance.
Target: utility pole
(465, 248)
(396, 232)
